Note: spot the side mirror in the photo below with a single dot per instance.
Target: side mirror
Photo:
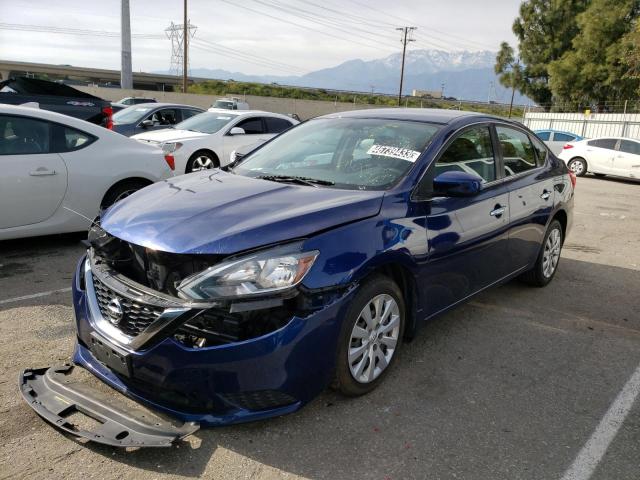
(146, 123)
(236, 131)
(456, 184)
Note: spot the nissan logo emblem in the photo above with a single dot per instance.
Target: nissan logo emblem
(114, 311)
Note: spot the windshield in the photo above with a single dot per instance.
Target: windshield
(351, 153)
(206, 122)
(131, 114)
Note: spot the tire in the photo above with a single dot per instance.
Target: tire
(578, 165)
(202, 160)
(543, 272)
(357, 377)
(120, 191)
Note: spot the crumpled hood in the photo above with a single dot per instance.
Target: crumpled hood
(222, 213)
(168, 135)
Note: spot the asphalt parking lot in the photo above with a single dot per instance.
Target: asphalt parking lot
(520, 383)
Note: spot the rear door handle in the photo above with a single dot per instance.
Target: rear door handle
(545, 195)
(41, 172)
(497, 211)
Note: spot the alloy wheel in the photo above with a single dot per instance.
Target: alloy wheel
(374, 338)
(576, 167)
(202, 162)
(551, 253)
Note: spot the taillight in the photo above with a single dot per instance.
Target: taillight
(108, 112)
(170, 161)
(567, 146)
(573, 178)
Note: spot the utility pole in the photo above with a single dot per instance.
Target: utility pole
(405, 32)
(185, 44)
(126, 75)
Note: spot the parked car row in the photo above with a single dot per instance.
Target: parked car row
(59, 172)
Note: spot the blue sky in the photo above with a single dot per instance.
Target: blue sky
(290, 36)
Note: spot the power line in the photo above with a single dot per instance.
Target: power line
(72, 31)
(305, 27)
(461, 39)
(198, 43)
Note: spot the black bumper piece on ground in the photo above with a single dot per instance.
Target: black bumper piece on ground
(75, 401)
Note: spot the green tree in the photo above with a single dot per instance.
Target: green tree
(510, 70)
(545, 30)
(631, 55)
(594, 70)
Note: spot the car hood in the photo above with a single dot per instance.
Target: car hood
(169, 135)
(216, 212)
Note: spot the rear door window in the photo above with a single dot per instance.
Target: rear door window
(470, 152)
(277, 125)
(518, 153)
(563, 137)
(608, 143)
(543, 135)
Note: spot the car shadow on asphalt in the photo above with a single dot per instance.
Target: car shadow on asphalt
(479, 393)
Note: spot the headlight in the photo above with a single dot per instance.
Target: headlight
(270, 271)
(171, 147)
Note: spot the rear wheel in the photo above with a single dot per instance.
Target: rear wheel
(578, 166)
(548, 258)
(370, 337)
(202, 160)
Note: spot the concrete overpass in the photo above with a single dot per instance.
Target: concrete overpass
(99, 76)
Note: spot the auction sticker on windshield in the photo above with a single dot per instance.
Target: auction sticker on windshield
(394, 152)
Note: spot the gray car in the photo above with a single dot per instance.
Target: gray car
(151, 116)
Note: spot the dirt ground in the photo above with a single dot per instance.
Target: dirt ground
(509, 386)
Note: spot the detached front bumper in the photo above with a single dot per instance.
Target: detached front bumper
(262, 377)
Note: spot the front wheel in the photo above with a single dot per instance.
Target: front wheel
(370, 337)
(578, 166)
(547, 263)
(201, 161)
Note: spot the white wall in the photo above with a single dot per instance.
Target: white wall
(589, 126)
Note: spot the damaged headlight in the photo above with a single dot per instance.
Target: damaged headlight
(270, 271)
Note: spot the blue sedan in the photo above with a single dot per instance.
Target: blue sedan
(144, 117)
(228, 296)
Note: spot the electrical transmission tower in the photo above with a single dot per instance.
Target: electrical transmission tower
(176, 32)
(406, 31)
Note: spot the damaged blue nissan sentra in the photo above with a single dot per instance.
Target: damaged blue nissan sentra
(229, 296)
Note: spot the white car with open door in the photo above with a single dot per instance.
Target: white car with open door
(57, 172)
(206, 140)
(603, 156)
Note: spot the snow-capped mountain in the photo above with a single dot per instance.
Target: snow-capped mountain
(465, 75)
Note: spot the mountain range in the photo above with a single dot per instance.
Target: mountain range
(462, 74)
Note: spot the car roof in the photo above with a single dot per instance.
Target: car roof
(49, 115)
(239, 113)
(158, 104)
(432, 115)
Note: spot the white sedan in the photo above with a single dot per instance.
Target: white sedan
(207, 140)
(58, 172)
(603, 156)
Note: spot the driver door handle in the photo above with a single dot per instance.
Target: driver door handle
(497, 211)
(41, 172)
(545, 195)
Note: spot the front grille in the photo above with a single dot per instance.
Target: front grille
(136, 316)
